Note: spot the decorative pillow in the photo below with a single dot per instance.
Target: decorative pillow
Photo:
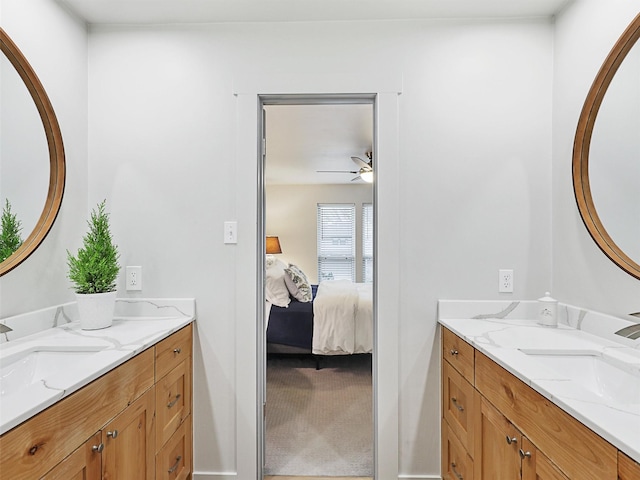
(275, 289)
(298, 284)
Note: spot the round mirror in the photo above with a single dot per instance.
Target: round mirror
(34, 195)
(606, 155)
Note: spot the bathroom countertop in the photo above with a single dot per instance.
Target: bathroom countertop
(508, 334)
(86, 354)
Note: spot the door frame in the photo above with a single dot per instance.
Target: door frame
(250, 93)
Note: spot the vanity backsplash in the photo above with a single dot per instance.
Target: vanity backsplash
(595, 323)
(33, 322)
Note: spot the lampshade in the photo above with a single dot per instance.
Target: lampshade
(273, 245)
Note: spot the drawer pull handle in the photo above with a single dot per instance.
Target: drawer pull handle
(511, 440)
(177, 350)
(175, 465)
(453, 469)
(453, 352)
(113, 434)
(524, 454)
(173, 402)
(98, 448)
(455, 404)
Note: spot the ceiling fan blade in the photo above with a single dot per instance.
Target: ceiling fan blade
(360, 162)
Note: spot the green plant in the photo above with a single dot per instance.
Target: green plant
(95, 268)
(10, 228)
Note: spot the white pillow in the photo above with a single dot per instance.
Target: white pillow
(275, 290)
(298, 284)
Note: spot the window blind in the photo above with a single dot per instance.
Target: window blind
(367, 242)
(336, 241)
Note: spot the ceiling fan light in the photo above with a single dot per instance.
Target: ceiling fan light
(367, 177)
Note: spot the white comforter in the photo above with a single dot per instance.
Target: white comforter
(343, 318)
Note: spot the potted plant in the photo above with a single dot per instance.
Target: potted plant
(10, 228)
(94, 271)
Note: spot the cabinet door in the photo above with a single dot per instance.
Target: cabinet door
(129, 442)
(497, 442)
(627, 468)
(83, 464)
(536, 465)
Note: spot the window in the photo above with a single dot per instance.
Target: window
(336, 241)
(367, 242)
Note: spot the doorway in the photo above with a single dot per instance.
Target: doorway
(318, 209)
(250, 91)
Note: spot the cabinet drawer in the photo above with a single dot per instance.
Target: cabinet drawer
(458, 407)
(574, 448)
(458, 353)
(627, 468)
(456, 462)
(173, 401)
(173, 462)
(172, 350)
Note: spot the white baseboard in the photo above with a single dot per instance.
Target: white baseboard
(419, 477)
(214, 476)
(234, 476)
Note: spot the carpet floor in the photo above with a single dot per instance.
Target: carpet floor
(319, 422)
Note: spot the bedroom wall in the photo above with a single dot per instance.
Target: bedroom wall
(582, 274)
(291, 214)
(475, 116)
(55, 44)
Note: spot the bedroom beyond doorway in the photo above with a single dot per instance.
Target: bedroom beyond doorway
(319, 422)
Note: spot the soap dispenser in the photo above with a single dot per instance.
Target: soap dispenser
(548, 311)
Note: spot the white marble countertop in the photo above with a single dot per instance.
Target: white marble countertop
(505, 333)
(70, 357)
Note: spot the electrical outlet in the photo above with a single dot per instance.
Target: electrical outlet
(505, 281)
(134, 278)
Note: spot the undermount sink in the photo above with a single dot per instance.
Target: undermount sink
(607, 378)
(37, 364)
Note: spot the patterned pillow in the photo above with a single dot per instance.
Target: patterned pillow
(297, 284)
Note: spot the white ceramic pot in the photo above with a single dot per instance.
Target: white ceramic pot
(96, 309)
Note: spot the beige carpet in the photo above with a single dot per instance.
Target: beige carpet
(319, 422)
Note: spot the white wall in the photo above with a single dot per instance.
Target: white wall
(582, 274)
(291, 214)
(475, 117)
(55, 45)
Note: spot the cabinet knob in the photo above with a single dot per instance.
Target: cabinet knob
(524, 454)
(511, 440)
(453, 352)
(177, 350)
(98, 448)
(113, 434)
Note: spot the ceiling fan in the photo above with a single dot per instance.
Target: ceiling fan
(365, 172)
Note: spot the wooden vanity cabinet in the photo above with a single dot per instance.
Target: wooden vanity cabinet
(508, 431)
(107, 429)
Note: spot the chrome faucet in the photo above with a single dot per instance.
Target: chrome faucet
(632, 331)
(4, 328)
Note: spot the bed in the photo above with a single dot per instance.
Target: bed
(337, 321)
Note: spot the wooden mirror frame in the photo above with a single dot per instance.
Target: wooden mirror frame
(56, 154)
(581, 145)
